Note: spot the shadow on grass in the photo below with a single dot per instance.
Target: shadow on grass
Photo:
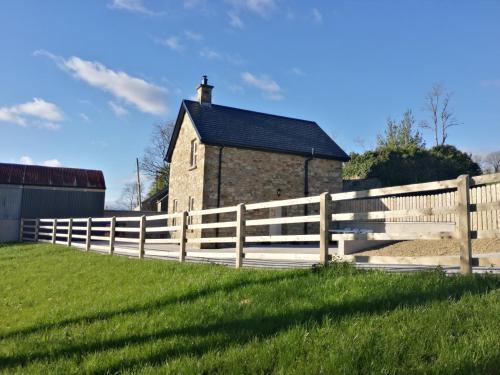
(230, 332)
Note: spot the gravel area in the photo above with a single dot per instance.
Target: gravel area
(434, 247)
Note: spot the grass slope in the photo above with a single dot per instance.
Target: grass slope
(64, 311)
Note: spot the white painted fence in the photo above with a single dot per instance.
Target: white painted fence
(112, 234)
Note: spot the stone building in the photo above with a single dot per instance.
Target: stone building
(221, 156)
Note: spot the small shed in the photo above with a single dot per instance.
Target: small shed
(31, 191)
(157, 201)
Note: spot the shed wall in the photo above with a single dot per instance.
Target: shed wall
(10, 210)
(57, 202)
(18, 202)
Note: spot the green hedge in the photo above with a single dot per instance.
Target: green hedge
(399, 166)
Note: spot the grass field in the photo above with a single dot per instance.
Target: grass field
(65, 311)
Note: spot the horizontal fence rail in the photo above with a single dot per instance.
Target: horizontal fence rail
(470, 204)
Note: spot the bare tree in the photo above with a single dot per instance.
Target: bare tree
(153, 160)
(479, 160)
(129, 196)
(492, 162)
(360, 142)
(437, 104)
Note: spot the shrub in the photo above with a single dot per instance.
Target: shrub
(406, 165)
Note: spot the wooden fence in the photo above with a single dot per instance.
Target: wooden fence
(485, 220)
(118, 234)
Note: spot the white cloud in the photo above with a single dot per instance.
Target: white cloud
(27, 160)
(135, 6)
(48, 125)
(237, 89)
(204, 7)
(264, 83)
(171, 42)
(190, 4)
(41, 109)
(7, 115)
(52, 163)
(261, 7)
(193, 35)
(317, 16)
(491, 83)
(117, 109)
(84, 117)
(145, 96)
(37, 109)
(235, 20)
(210, 54)
(297, 71)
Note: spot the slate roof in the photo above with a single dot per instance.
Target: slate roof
(159, 195)
(219, 125)
(36, 175)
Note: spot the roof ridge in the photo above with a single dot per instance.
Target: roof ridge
(257, 112)
(48, 167)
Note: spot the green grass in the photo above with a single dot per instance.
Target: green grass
(65, 311)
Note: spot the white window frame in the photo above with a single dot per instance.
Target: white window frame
(193, 159)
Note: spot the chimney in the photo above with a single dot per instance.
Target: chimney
(204, 91)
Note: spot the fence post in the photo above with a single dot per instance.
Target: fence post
(324, 226)
(89, 234)
(70, 231)
(21, 230)
(463, 214)
(240, 234)
(54, 231)
(182, 237)
(142, 236)
(37, 228)
(112, 227)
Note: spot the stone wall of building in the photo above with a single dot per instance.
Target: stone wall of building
(250, 176)
(186, 181)
(247, 176)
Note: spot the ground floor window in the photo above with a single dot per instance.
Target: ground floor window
(175, 204)
(190, 208)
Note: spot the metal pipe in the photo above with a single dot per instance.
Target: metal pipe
(306, 185)
(219, 175)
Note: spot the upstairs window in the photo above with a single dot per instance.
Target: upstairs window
(194, 153)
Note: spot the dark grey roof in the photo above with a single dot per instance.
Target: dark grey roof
(226, 126)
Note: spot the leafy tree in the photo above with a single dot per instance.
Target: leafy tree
(402, 134)
(453, 162)
(406, 165)
(359, 165)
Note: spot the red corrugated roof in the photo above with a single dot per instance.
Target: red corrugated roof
(18, 174)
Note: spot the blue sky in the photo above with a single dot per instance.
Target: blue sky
(83, 83)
